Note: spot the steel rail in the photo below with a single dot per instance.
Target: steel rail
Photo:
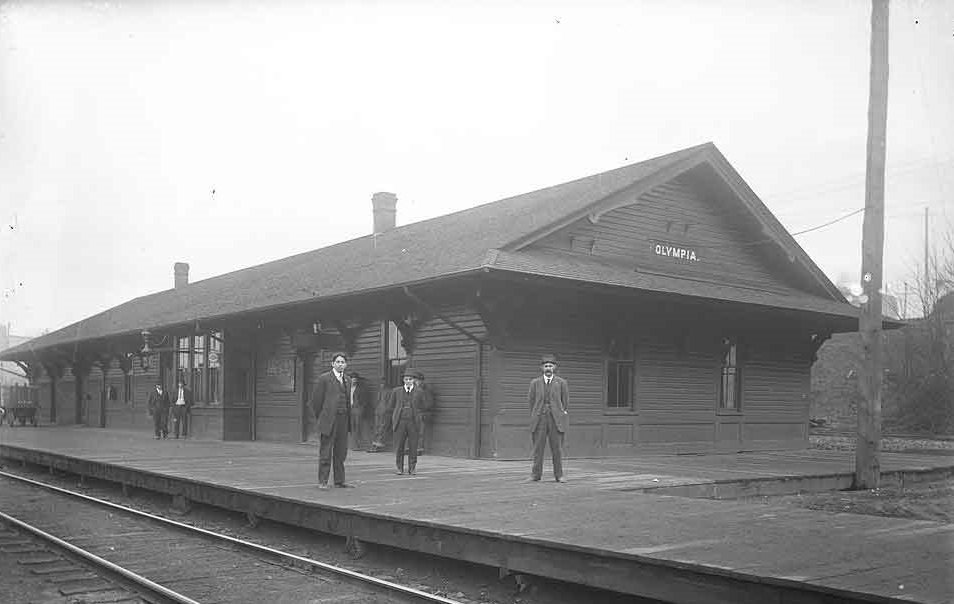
(125, 576)
(262, 549)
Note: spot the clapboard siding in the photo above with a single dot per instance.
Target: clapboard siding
(278, 411)
(119, 413)
(92, 398)
(66, 398)
(776, 383)
(580, 362)
(716, 233)
(676, 406)
(45, 402)
(366, 360)
(448, 360)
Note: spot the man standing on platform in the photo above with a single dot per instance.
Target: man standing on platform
(426, 404)
(359, 412)
(330, 403)
(382, 417)
(548, 398)
(181, 409)
(408, 403)
(159, 410)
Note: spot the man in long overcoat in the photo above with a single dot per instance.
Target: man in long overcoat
(382, 417)
(158, 406)
(408, 403)
(548, 398)
(330, 403)
(360, 412)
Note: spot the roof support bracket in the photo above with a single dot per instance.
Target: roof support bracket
(427, 307)
(349, 335)
(817, 340)
(499, 315)
(27, 369)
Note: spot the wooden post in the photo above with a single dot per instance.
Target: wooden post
(867, 451)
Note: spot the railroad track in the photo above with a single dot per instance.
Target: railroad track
(99, 551)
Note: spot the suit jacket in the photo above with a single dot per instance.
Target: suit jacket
(359, 401)
(399, 395)
(559, 399)
(325, 395)
(158, 402)
(186, 394)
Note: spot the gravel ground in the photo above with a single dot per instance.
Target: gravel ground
(467, 583)
(931, 501)
(846, 442)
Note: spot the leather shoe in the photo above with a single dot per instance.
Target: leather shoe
(323, 485)
(344, 485)
(412, 472)
(560, 479)
(399, 472)
(532, 479)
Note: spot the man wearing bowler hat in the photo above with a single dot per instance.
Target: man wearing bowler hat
(408, 405)
(548, 398)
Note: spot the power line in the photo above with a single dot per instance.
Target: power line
(829, 223)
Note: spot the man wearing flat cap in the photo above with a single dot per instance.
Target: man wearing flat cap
(408, 405)
(548, 398)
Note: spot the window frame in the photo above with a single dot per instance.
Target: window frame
(193, 366)
(624, 357)
(128, 387)
(396, 357)
(730, 368)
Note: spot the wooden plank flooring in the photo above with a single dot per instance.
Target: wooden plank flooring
(597, 511)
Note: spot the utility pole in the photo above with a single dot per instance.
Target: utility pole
(868, 445)
(927, 268)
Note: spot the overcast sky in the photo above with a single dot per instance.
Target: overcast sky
(136, 134)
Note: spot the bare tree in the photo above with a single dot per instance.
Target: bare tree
(920, 367)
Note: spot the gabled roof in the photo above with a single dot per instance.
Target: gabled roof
(488, 236)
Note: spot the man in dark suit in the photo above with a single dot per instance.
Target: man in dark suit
(382, 417)
(181, 407)
(330, 403)
(408, 405)
(427, 404)
(360, 412)
(158, 406)
(548, 398)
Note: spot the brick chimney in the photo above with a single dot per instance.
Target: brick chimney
(383, 207)
(181, 271)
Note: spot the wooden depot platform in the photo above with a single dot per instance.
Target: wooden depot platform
(620, 524)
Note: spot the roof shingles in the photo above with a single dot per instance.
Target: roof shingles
(440, 247)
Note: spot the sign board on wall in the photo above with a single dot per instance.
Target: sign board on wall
(673, 252)
(280, 374)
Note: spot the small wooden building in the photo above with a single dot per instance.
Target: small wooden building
(684, 316)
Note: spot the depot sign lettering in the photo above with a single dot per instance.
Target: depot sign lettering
(677, 253)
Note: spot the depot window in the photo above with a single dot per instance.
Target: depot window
(620, 379)
(730, 389)
(199, 364)
(396, 354)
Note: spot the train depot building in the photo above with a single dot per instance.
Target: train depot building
(684, 317)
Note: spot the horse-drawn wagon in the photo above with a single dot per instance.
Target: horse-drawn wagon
(19, 405)
(23, 412)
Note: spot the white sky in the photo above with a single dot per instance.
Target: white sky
(226, 134)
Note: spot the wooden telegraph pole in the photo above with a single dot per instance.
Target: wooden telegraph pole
(867, 451)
